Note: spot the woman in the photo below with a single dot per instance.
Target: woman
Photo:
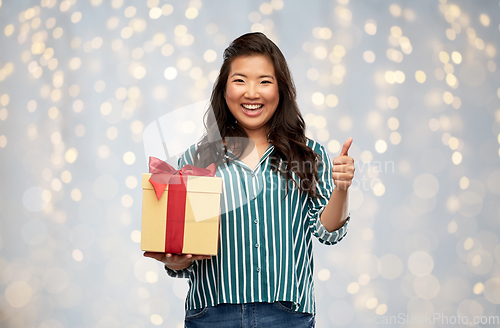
(277, 192)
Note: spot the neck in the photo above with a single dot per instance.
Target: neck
(258, 136)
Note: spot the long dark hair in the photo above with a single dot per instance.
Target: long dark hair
(286, 127)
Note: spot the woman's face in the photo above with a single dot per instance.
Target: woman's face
(252, 93)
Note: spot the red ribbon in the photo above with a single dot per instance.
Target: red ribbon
(163, 174)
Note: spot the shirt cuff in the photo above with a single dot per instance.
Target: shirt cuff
(331, 238)
(183, 273)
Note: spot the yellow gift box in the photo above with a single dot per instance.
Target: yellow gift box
(197, 232)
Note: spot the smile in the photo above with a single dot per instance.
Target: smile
(252, 110)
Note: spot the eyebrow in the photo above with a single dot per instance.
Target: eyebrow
(262, 76)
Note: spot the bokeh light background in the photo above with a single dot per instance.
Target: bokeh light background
(415, 83)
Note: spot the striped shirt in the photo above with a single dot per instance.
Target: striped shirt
(265, 248)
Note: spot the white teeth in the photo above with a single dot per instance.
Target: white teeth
(252, 106)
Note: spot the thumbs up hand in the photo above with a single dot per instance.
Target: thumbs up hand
(343, 168)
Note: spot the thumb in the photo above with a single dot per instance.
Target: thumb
(346, 146)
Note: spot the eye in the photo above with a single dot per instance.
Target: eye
(238, 80)
(266, 81)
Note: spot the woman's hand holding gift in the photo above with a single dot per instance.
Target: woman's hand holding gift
(176, 261)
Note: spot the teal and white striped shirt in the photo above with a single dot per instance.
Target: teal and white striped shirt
(265, 247)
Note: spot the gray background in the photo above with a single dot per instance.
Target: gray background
(424, 235)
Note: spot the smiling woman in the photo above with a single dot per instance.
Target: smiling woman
(252, 93)
(277, 193)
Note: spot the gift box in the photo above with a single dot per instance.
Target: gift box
(180, 209)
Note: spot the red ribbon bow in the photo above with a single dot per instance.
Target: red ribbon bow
(162, 175)
(162, 172)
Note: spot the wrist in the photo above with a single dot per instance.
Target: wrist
(178, 267)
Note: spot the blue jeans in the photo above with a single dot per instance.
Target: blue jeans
(249, 315)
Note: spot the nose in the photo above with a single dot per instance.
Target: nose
(251, 91)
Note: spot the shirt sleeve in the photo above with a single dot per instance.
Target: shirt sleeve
(324, 189)
(184, 273)
(186, 158)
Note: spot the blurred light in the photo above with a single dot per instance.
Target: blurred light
(191, 13)
(112, 133)
(332, 100)
(130, 11)
(448, 97)
(277, 4)
(492, 290)
(379, 189)
(210, 55)
(32, 105)
(366, 156)
(484, 19)
(333, 146)
(76, 194)
(136, 236)
(364, 279)
(451, 34)
(420, 76)
(452, 227)
(456, 158)
(392, 102)
(367, 234)
(131, 182)
(312, 74)
(170, 73)
(369, 56)
(396, 32)
(320, 52)
(143, 293)
(155, 13)
(444, 57)
(129, 158)
(425, 185)
(464, 183)
(318, 98)
(66, 177)
(71, 155)
(53, 112)
(456, 57)
(266, 8)
(151, 277)
(127, 201)
(9, 30)
(345, 123)
(18, 294)
(420, 263)
(76, 17)
(339, 51)
(77, 255)
(395, 10)
(427, 286)
(3, 141)
(324, 274)
(167, 9)
(381, 309)
(353, 288)
(80, 130)
(395, 138)
(78, 106)
(371, 27)
(393, 123)
(371, 303)
(156, 319)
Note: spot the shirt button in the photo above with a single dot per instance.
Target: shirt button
(256, 245)
(256, 221)
(258, 269)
